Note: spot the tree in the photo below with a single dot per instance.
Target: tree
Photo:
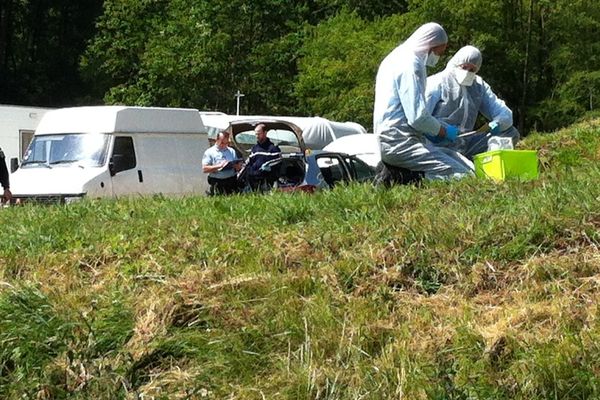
(321, 57)
(572, 63)
(40, 44)
(339, 61)
(367, 10)
(177, 53)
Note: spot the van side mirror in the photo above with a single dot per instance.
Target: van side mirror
(14, 164)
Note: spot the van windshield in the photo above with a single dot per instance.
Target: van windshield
(81, 149)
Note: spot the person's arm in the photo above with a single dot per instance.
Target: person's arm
(274, 149)
(239, 162)
(207, 164)
(4, 178)
(433, 93)
(494, 109)
(411, 90)
(207, 169)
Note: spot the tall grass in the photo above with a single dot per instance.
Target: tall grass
(457, 290)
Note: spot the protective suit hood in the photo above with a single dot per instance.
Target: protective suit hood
(459, 105)
(425, 37)
(466, 55)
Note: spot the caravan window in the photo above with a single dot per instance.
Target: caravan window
(25, 138)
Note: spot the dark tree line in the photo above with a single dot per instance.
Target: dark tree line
(303, 58)
(40, 45)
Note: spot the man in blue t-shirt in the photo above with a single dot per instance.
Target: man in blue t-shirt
(264, 150)
(221, 164)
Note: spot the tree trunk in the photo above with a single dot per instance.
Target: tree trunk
(5, 31)
(526, 69)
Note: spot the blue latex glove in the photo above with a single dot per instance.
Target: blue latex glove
(494, 127)
(452, 133)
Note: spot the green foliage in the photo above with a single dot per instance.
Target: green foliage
(300, 58)
(574, 98)
(339, 62)
(199, 55)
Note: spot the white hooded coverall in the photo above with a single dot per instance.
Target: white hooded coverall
(400, 115)
(459, 105)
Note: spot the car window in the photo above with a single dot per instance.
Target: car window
(124, 152)
(286, 140)
(281, 136)
(247, 137)
(244, 142)
(360, 170)
(332, 169)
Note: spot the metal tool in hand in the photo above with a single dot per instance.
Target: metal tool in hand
(482, 129)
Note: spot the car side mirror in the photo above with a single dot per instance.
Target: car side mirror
(14, 164)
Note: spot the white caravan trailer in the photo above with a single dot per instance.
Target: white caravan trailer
(113, 151)
(17, 124)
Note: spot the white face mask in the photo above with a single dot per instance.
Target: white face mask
(464, 77)
(432, 59)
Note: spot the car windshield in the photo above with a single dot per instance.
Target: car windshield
(82, 149)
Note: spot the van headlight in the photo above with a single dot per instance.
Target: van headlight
(68, 199)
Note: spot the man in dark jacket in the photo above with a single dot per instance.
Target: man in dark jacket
(4, 180)
(264, 150)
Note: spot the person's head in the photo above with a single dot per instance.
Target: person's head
(465, 64)
(222, 140)
(261, 133)
(430, 39)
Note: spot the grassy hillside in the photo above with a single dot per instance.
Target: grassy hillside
(456, 290)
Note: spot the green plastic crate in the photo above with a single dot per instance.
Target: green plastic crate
(502, 164)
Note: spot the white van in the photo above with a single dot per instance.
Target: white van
(113, 151)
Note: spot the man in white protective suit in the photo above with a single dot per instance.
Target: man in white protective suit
(457, 95)
(405, 127)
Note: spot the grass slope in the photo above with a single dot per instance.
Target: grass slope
(461, 290)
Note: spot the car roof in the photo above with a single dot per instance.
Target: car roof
(249, 124)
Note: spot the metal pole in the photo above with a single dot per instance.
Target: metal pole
(238, 94)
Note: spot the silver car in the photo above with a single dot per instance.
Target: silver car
(297, 168)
